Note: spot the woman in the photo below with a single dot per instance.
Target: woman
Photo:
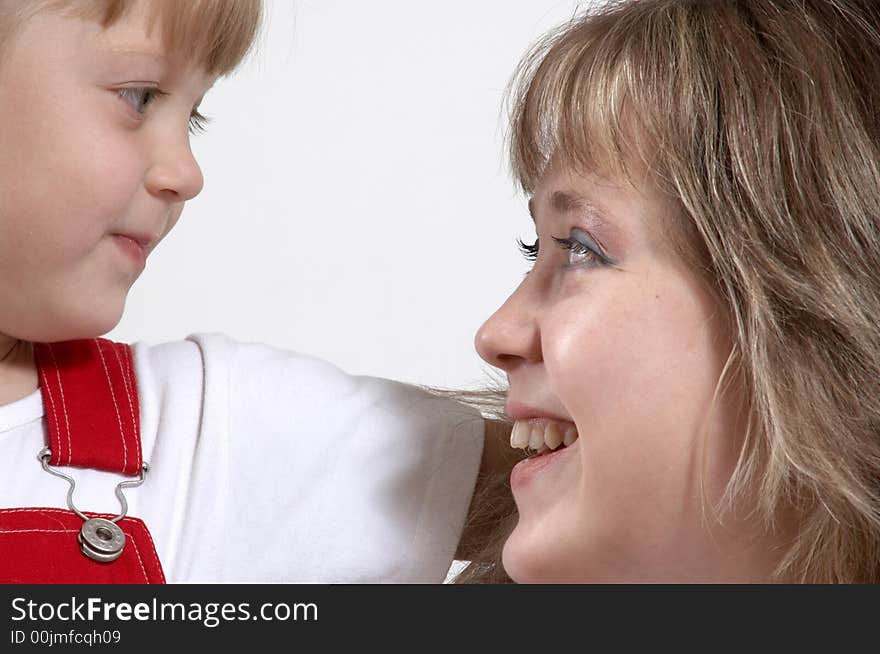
(703, 177)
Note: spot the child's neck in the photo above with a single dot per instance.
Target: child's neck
(18, 372)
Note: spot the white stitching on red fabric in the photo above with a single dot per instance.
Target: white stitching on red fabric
(129, 363)
(63, 406)
(54, 411)
(38, 531)
(138, 553)
(73, 531)
(39, 510)
(132, 521)
(125, 382)
(115, 405)
(152, 549)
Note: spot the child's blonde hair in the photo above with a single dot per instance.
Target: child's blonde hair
(215, 33)
(760, 119)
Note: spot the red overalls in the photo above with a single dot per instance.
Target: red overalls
(93, 417)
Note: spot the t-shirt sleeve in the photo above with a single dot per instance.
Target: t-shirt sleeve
(341, 478)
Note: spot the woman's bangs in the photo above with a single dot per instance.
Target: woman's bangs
(574, 100)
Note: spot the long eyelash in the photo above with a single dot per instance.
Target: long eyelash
(150, 91)
(198, 123)
(530, 252)
(579, 248)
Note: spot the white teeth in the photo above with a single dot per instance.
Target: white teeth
(519, 435)
(571, 435)
(536, 439)
(552, 436)
(542, 435)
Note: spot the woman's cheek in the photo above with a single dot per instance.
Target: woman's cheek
(590, 347)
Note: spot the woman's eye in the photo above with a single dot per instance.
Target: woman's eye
(578, 253)
(198, 123)
(582, 250)
(530, 252)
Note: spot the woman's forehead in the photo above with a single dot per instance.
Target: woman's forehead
(618, 210)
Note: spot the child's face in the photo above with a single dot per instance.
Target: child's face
(86, 154)
(630, 353)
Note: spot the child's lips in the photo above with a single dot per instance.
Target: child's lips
(132, 248)
(144, 240)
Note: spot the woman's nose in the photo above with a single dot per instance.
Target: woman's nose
(175, 171)
(511, 336)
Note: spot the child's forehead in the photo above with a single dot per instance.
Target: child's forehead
(134, 29)
(214, 35)
(130, 40)
(136, 36)
(128, 46)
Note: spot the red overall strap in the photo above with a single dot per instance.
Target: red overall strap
(91, 401)
(93, 419)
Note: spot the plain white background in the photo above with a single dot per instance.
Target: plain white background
(357, 203)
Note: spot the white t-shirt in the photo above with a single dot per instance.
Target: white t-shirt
(273, 466)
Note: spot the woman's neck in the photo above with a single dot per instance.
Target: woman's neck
(18, 372)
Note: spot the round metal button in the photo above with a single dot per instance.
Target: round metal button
(101, 540)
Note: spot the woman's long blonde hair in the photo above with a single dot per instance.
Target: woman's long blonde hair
(760, 120)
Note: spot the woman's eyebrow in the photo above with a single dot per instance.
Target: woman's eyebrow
(592, 214)
(568, 202)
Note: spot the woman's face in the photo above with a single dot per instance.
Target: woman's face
(611, 332)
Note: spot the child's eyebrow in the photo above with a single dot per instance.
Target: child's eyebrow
(135, 52)
(122, 55)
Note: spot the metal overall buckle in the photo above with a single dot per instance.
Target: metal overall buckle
(99, 539)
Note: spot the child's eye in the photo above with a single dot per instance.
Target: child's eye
(141, 98)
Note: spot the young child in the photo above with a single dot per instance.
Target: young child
(695, 353)
(263, 465)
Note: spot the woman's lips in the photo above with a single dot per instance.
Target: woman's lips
(527, 470)
(550, 440)
(518, 411)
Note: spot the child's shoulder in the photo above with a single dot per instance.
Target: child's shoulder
(217, 364)
(264, 383)
(206, 352)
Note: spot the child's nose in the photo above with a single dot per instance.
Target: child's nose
(176, 171)
(511, 336)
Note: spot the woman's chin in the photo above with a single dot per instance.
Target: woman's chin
(529, 559)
